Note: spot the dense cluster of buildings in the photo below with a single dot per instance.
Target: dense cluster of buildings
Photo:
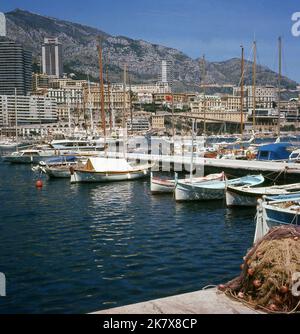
(28, 98)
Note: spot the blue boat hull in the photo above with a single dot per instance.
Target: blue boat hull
(276, 217)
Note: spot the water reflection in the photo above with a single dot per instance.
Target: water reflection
(80, 248)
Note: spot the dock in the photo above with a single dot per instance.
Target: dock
(208, 163)
(208, 301)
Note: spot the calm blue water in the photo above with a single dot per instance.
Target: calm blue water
(81, 248)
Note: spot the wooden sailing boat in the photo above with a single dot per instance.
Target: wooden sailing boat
(107, 169)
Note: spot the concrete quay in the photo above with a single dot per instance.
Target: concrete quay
(222, 164)
(209, 301)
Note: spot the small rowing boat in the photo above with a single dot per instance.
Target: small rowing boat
(275, 211)
(212, 190)
(248, 196)
(160, 185)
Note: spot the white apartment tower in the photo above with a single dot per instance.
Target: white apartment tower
(166, 72)
(2, 25)
(52, 57)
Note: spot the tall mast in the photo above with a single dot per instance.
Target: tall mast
(103, 120)
(124, 119)
(124, 97)
(242, 92)
(254, 86)
(130, 102)
(109, 98)
(84, 110)
(204, 92)
(69, 110)
(173, 109)
(90, 105)
(192, 153)
(279, 83)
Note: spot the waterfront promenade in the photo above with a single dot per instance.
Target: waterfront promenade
(208, 301)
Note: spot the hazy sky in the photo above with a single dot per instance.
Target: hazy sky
(215, 28)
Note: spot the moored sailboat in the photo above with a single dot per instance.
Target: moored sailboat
(108, 170)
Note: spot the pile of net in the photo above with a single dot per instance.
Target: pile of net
(270, 277)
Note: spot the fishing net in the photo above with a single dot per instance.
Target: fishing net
(270, 277)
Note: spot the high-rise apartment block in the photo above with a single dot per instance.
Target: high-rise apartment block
(15, 68)
(166, 72)
(52, 57)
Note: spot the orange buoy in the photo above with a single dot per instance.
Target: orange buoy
(39, 184)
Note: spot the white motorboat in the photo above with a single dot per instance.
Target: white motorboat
(78, 145)
(29, 156)
(248, 196)
(8, 144)
(211, 190)
(108, 170)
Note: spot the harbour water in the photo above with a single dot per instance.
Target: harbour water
(81, 248)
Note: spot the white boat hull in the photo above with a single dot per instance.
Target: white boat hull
(189, 192)
(211, 190)
(249, 197)
(168, 186)
(234, 199)
(92, 177)
(24, 159)
(161, 186)
(8, 146)
(57, 172)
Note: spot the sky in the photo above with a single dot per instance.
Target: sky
(216, 28)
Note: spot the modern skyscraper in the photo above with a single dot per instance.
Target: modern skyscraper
(2, 25)
(52, 57)
(15, 68)
(166, 72)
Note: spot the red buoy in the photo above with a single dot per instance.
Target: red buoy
(39, 184)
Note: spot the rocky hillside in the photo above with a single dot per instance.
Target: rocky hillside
(143, 58)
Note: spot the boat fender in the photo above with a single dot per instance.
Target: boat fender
(249, 155)
(72, 170)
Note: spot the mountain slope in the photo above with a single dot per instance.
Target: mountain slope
(143, 58)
